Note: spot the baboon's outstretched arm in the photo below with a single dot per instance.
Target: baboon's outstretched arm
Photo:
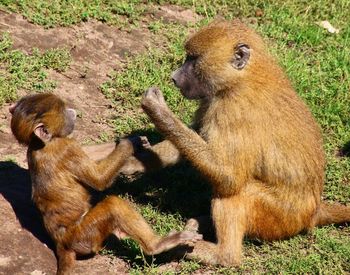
(189, 143)
(161, 155)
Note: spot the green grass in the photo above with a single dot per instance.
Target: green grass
(27, 72)
(316, 61)
(67, 12)
(153, 68)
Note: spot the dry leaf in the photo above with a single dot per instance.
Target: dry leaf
(326, 25)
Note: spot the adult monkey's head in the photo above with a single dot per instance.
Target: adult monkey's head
(218, 58)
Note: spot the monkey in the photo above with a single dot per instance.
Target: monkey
(253, 140)
(62, 176)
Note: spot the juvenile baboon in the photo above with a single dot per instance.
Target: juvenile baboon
(62, 175)
(255, 142)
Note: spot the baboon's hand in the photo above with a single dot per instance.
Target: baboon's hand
(153, 101)
(139, 142)
(145, 143)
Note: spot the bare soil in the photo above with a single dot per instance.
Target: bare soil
(96, 50)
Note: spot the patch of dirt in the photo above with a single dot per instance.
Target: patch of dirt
(96, 50)
(171, 13)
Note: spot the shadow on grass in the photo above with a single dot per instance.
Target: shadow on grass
(177, 189)
(15, 186)
(345, 150)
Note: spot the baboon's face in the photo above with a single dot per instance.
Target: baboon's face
(196, 84)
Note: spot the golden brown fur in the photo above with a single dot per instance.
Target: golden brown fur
(62, 175)
(256, 143)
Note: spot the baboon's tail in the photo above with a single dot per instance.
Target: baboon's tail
(332, 213)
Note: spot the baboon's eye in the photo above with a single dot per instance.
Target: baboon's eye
(190, 58)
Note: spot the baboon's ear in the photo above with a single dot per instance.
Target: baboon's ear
(42, 133)
(241, 56)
